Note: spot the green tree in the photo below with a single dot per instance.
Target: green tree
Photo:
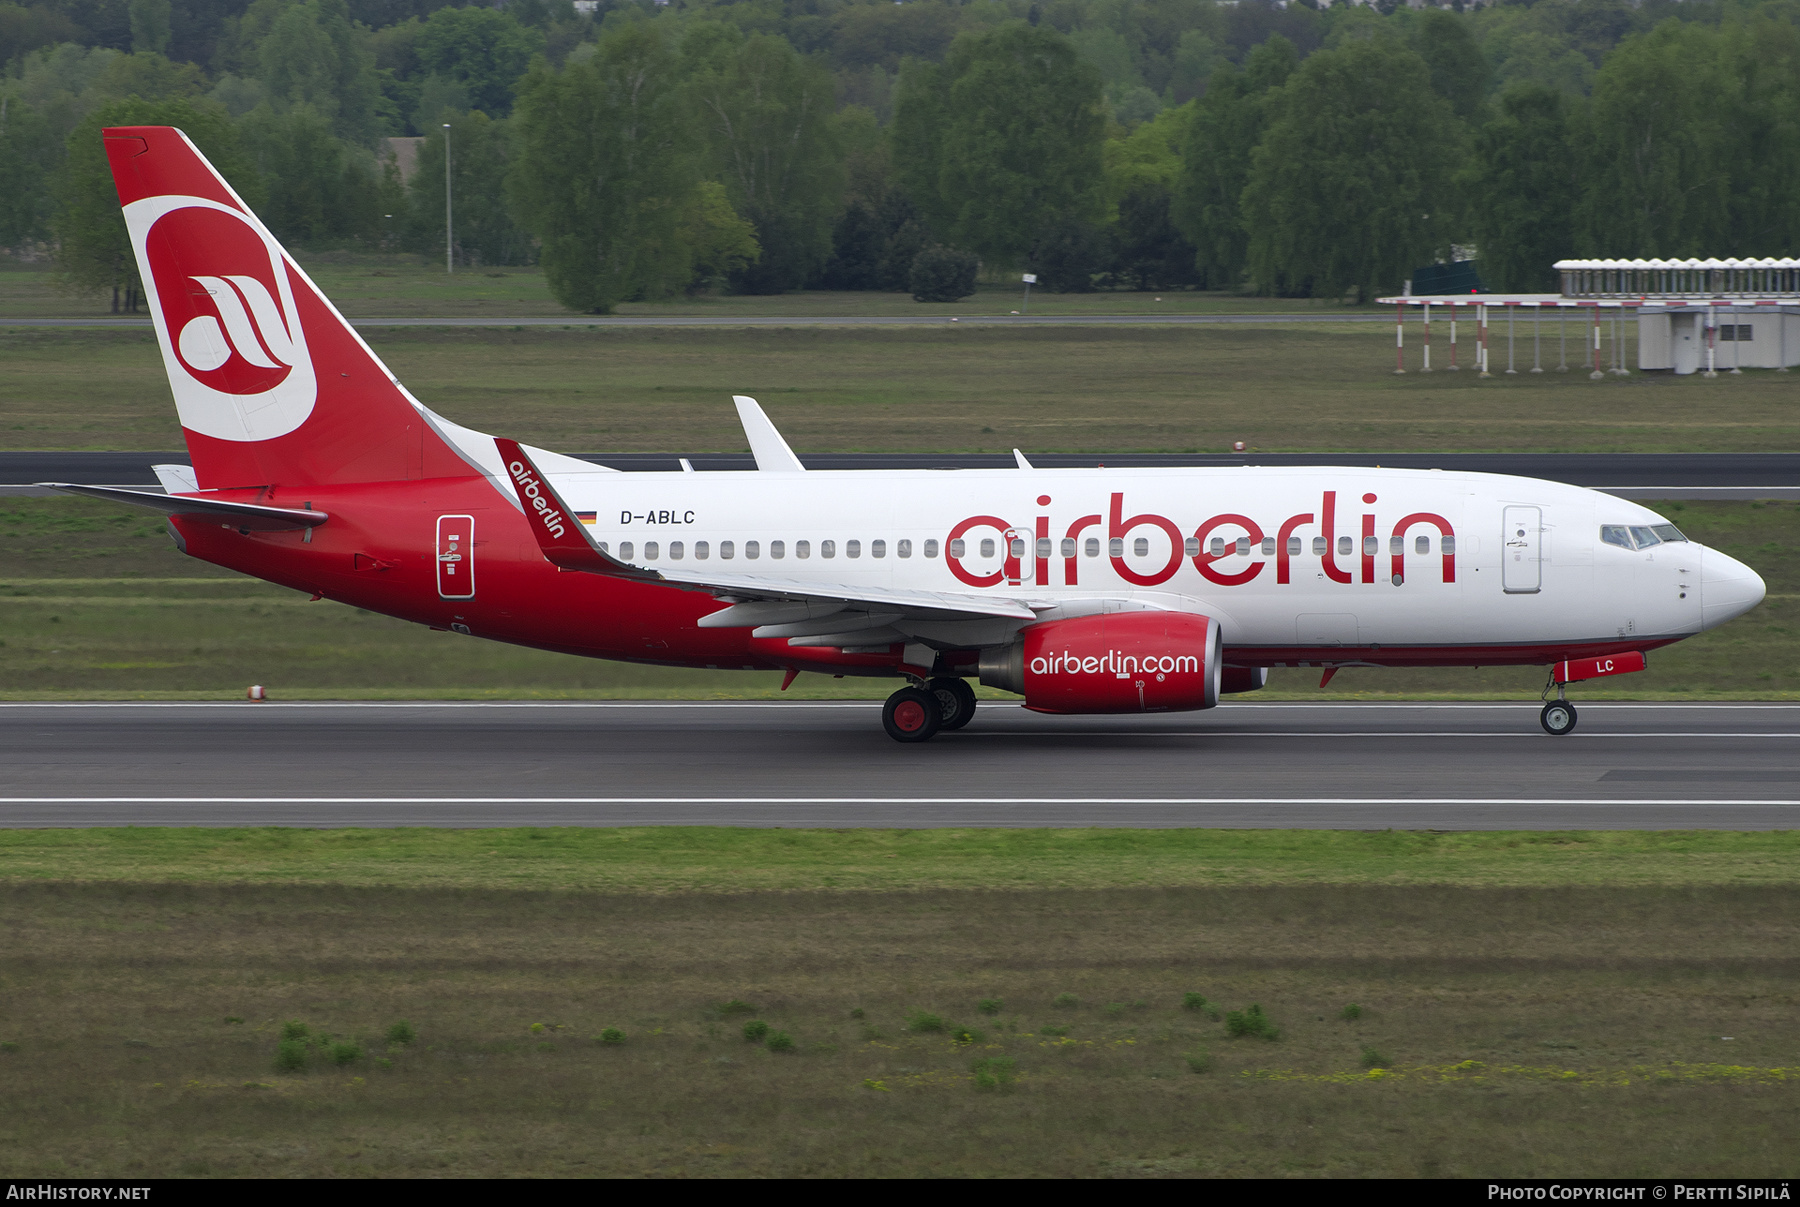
(484, 50)
(604, 166)
(481, 157)
(314, 55)
(28, 155)
(93, 250)
(1002, 142)
(1350, 188)
(1656, 182)
(766, 117)
(1216, 156)
(720, 242)
(149, 25)
(320, 189)
(1459, 72)
(1522, 190)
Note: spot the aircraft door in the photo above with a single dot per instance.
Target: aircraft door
(1521, 551)
(456, 556)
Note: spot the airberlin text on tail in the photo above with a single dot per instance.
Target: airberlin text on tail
(272, 385)
(561, 537)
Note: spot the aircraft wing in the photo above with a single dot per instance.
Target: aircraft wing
(805, 611)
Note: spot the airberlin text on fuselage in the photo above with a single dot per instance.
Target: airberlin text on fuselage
(1115, 663)
(1363, 549)
(548, 512)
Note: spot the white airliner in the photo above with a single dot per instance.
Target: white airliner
(1085, 591)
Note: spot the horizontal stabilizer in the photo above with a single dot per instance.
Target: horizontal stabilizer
(561, 536)
(252, 516)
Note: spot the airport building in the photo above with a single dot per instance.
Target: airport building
(1691, 316)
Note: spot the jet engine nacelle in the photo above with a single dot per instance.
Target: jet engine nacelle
(1119, 662)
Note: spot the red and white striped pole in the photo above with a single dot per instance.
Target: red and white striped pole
(1453, 366)
(1481, 320)
(1427, 365)
(1399, 337)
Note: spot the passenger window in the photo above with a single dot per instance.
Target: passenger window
(650, 551)
(752, 549)
(1371, 546)
(851, 549)
(1243, 546)
(1644, 537)
(1068, 546)
(625, 551)
(1422, 544)
(1093, 546)
(1116, 547)
(1217, 549)
(700, 550)
(1191, 546)
(603, 547)
(1345, 546)
(931, 548)
(827, 549)
(802, 548)
(1043, 546)
(727, 550)
(1293, 546)
(958, 547)
(1268, 547)
(1668, 532)
(1447, 546)
(903, 548)
(987, 547)
(675, 550)
(877, 548)
(1141, 547)
(1016, 547)
(1615, 534)
(777, 549)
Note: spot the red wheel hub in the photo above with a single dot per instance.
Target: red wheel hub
(909, 715)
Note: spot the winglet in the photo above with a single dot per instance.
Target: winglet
(771, 452)
(1020, 458)
(562, 538)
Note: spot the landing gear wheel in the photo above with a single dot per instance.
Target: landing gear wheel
(958, 699)
(911, 715)
(1557, 718)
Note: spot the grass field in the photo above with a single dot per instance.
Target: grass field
(375, 286)
(1435, 1031)
(1099, 390)
(96, 603)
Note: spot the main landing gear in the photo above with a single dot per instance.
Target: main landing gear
(916, 714)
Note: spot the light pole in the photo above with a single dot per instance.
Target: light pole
(1030, 280)
(448, 242)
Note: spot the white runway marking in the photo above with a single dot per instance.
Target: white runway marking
(880, 800)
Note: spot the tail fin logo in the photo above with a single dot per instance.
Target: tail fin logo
(223, 302)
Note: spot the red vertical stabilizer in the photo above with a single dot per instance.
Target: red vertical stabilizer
(273, 387)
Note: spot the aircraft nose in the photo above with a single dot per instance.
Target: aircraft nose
(1728, 588)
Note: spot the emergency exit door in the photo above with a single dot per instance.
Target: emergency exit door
(456, 556)
(1521, 569)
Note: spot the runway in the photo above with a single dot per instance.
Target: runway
(1632, 475)
(941, 319)
(828, 764)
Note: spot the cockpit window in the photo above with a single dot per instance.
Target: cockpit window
(1638, 536)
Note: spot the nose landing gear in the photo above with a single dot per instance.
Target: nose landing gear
(1559, 716)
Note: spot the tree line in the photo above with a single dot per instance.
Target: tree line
(644, 149)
